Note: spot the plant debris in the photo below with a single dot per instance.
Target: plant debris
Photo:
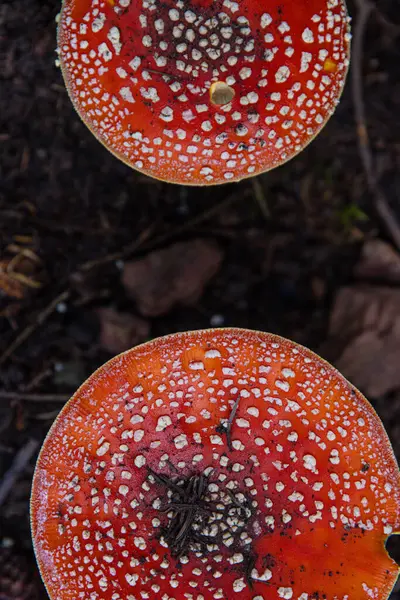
(201, 516)
(226, 426)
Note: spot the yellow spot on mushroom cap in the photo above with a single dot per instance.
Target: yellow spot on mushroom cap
(221, 93)
(330, 66)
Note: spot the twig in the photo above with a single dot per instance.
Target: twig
(260, 198)
(114, 256)
(365, 10)
(40, 319)
(226, 427)
(34, 397)
(47, 416)
(230, 422)
(144, 244)
(18, 466)
(204, 216)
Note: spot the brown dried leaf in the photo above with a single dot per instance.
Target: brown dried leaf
(120, 331)
(177, 274)
(364, 339)
(10, 286)
(19, 273)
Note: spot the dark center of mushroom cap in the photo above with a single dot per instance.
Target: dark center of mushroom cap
(205, 516)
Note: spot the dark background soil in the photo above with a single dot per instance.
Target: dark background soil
(73, 216)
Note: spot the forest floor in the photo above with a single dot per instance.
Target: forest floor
(304, 251)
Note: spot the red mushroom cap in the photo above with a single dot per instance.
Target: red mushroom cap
(207, 92)
(209, 463)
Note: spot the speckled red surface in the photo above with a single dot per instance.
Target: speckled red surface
(139, 75)
(309, 468)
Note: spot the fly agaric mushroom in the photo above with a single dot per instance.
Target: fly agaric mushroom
(207, 92)
(211, 463)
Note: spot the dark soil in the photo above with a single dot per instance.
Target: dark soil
(73, 214)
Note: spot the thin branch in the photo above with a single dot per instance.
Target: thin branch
(46, 416)
(118, 255)
(145, 244)
(226, 427)
(27, 397)
(365, 9)
(230, 422)
(40, 319)
(169, 236)
(260, 198)
(18, 466)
